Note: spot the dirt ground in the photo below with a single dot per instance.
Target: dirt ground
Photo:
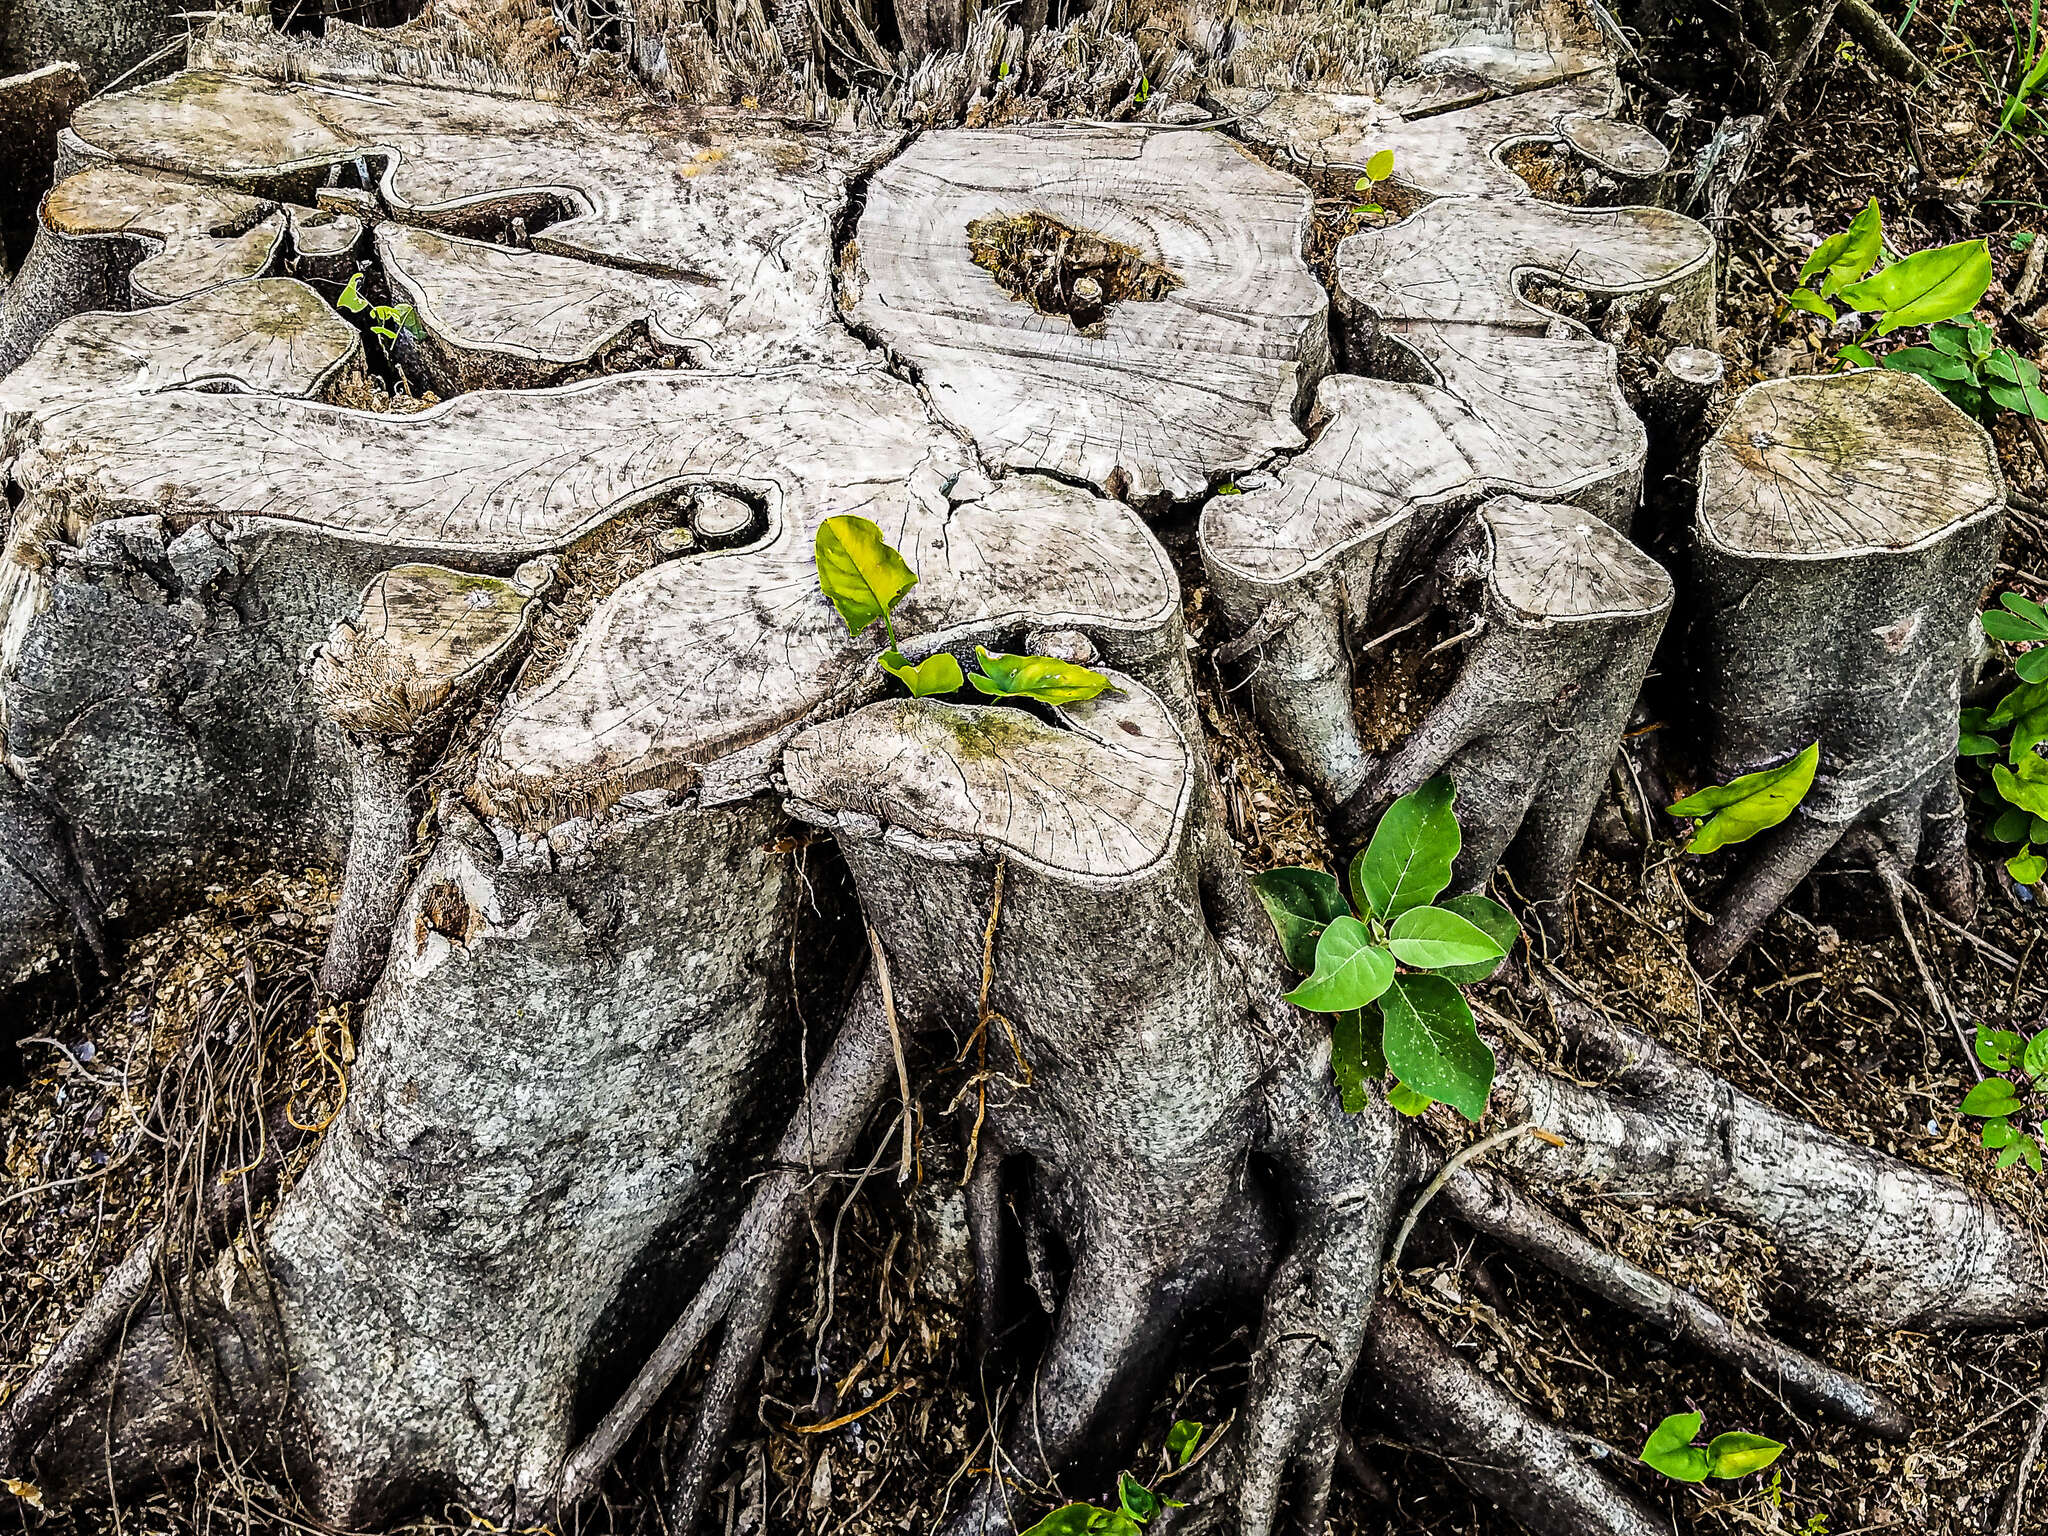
(871, 1413)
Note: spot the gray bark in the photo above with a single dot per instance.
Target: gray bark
(1846, 527)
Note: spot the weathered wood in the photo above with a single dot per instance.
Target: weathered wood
(739, 206)
(1131, 1114)
(1846, 525)
(425, 643)
(1157, 400)
(1454, 153)
(501, 317)
(33, 107)
(272, 336)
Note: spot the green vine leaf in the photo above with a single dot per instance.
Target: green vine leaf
(1044, 678)
(1086, 1520)
(1738, 810)
(936, 674)
(1736, 1454)
(1182, 1441)
(351, 298)
(1301, 903)
(1990, 1099)
(1408, 862)
(1432, 1045)
(1670, 1449)
(2034, 1061)
(1998, 1049)
(1405, 1099)
(1840, 259)
(1924, 287)
(1350, 970)
(1433, 939)
(1491, 919)
(860, 572)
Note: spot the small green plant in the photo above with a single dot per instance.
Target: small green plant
(1736, 811)
(1144, 93)
(1388, 963)
(1964, 361)
(865, 578)
(2002, 1103)
(1670, 1450)
(1377, 170)
(1136, 1503)
(2030, 60)
(386, 320)
(2014, 729)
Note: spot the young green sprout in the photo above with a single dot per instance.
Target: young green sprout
(1377, 170)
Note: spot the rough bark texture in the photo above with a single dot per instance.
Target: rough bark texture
(1846, 526)
(1154, 399)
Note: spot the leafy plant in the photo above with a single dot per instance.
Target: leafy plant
(1736, 811)
(386, 320)
(2014, 729)
(2000, 1102)
(1964, 361)
(1388, 962)
(1670, 1450)
(865, 577)
(1377, 170)
(1136, 1503)
(1936, 288)
(2030, 58)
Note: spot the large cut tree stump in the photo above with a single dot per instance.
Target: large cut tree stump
(1123, 306)
(272, 336)
(1847, 525)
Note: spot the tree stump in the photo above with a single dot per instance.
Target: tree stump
(272, 336)
(1454, 153)
(1122, 306)
(1846, 525)
(33, 107)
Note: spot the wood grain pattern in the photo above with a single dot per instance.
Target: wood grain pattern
(1824, 467)
(1171, 395)
(200, 237)
(1100, 794)
(1454, 153)
(269, 336)
(730, 202)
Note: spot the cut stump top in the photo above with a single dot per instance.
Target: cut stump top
(1821, 466)
(1156, 399)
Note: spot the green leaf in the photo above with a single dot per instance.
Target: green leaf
(859, 572)
(1432, 1045)
(1044, 678)
(1858, 355)
(1407, 1100)
(2010, 1155)
(2022, 789)
(2024, 395)
(1432, 938)
(351, 298)
(1350, 970)
(1928, 363)
(2026, 868)
(2033, 667)
(1355, 1057)
(1743, 807)
(1996, 1134)
(1847, 256)
(1670, 1449)
(1737, 1455)
(1963, 341)
(1085, 1520)
(2034, 1061)
(1491, 919)
(1182, 1441)
(2017, 618)
(1998, 1049)
(1812, 303)
(1976, 746)
(1380, 166)
(2025, 709)
(1408, 862)
(1301, 902)
(935, 674)
(1991, 1098)
(1138, 1501)
(2013, 826)
(1925, 287)
(2030, 1149)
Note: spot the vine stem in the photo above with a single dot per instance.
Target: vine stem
(1452, 1164)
